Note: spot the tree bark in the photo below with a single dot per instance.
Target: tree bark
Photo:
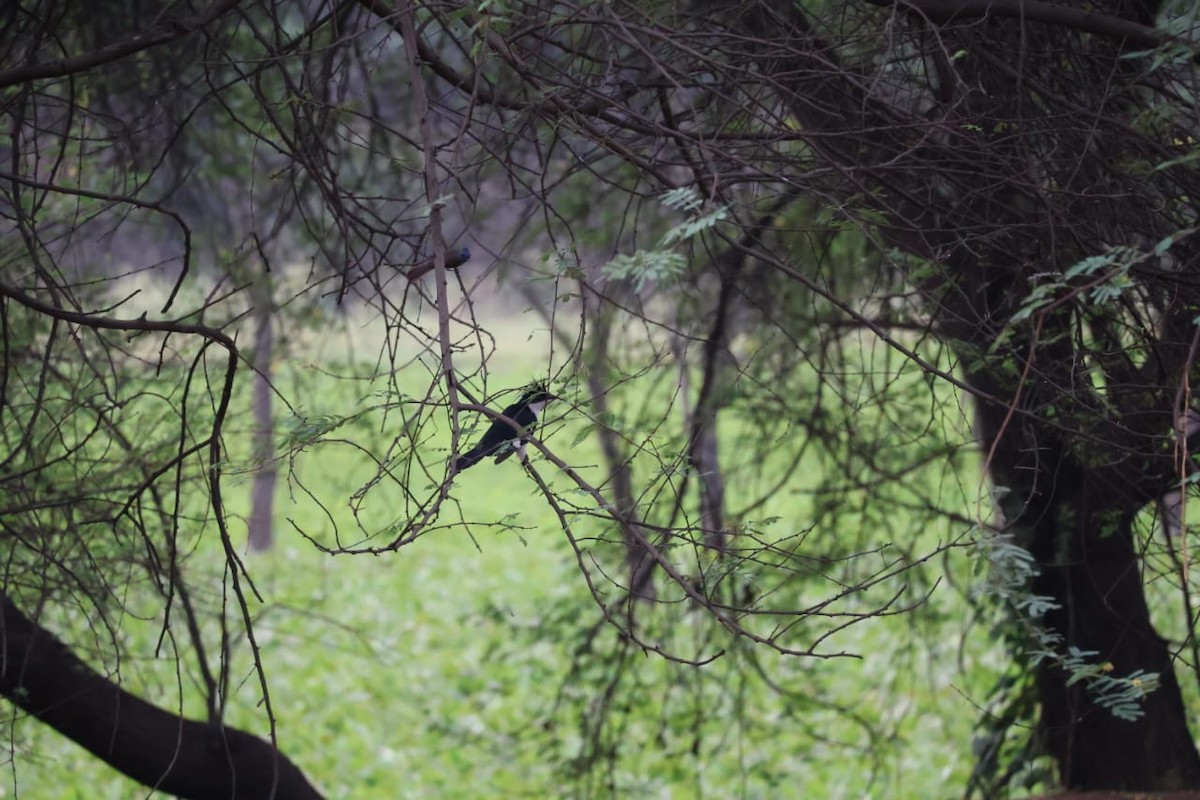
(262, 492)
(595, 363)
(186, 758)
(1096, 581)
(1077, 522)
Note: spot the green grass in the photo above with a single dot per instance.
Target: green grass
(460, 666)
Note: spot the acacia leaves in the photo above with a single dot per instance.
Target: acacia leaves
(663, 263)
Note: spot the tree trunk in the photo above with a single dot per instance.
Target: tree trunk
(185, 758)
(262, 492)
(1077, 522)
(620, 466)
(1088, 564)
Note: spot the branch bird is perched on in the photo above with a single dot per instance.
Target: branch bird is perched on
(502, 438)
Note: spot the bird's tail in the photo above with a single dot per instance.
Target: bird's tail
(469, 458)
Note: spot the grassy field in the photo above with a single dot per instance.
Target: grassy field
(474, 662)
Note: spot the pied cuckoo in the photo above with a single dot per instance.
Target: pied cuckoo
(501, 438)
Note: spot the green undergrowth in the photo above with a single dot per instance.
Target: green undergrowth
(474, 662)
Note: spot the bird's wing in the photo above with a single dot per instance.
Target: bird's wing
(521, 414)
(499, 434)
(493, 439)
(514, 412)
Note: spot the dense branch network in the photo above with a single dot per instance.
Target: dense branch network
(807, 234)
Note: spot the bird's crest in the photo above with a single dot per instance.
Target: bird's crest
(536, 390)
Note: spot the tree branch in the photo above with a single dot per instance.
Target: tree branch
(1037, 11)
(168, 30)
(188, 759)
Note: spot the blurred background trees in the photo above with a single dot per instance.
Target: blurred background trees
(876, 323)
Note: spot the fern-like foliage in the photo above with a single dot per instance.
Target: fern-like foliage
(1012, 569)
(663, 263)
(1099, 279)
(645, 266)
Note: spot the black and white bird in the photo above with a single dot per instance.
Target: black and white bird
(502, 438)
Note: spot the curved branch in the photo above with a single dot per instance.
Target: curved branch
(74, 191)
(118, 324)
(1037, 11)
(182, 757)
(166, 31)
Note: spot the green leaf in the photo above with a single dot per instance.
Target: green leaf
(1163, 246)
(644, 266)
(684, 198)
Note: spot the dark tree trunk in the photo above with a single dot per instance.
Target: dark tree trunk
(262, 492)
(593, 362)
(620, 467)
(1089, 566)
(1077, 522)
(181, 757)
(703, 446)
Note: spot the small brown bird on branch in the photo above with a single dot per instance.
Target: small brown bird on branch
(453, 261)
